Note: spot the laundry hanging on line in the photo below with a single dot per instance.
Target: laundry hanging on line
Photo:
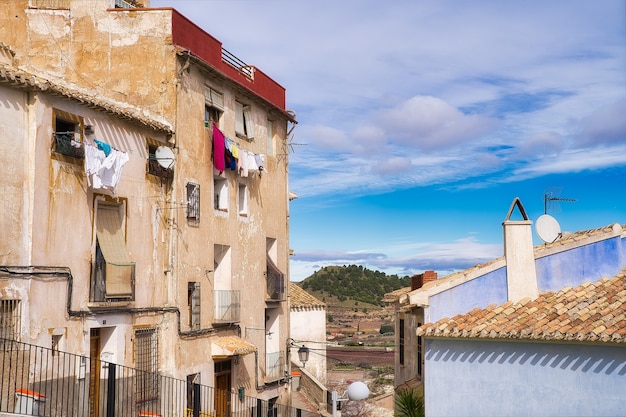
(104, 171)
(228, 154)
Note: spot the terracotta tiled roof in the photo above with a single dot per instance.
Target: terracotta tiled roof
(232, 346)
(394, 296)
(300, 298)
(593, 312)
(569, 237)
(25, 80)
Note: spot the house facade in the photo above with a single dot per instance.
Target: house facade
(170, 254)
(308, 329)
(563, 353)
(524, 272)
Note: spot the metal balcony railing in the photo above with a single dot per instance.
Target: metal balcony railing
(60, 384)
(274, 365)
(227, 306)
(65, 143)
(275, 281)
(232, 60)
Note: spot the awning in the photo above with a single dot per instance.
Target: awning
(113, 246)
(231, 346)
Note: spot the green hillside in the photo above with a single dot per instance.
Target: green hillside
(353, 282)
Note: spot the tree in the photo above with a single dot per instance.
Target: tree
(386, 328)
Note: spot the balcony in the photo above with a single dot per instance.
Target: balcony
(274, 365)
(65, 144)
(227, 306)
(275, 281)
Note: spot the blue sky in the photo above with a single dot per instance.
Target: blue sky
(421, 121)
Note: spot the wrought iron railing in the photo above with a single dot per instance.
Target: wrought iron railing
(232, 60)
(65, 143)
(275, 281)
(274, 365)
(227, 306)
(41, 381)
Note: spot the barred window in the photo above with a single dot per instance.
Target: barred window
(10, 319)
(193, 203)
(146, 362)
(193, 303)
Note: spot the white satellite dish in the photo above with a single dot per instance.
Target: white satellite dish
(548, 228)
(165, 157)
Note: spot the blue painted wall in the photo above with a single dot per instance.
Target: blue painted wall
(500, 378)
(479, 292)
(587, 263)
(569, 268)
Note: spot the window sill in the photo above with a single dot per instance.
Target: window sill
(95, 305)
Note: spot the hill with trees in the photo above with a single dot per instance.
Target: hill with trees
(353, 283)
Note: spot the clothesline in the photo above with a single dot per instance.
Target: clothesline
(227, 154)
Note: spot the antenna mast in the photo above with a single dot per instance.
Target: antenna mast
(548, 197)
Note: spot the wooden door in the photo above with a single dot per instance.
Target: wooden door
(94, 373)
(222, 389)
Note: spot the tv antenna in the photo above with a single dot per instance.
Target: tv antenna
(289, 147)
(550, 196)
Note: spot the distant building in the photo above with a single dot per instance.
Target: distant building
(174, 258)
(524, 274)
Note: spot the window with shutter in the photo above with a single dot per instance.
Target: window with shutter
(113, 270)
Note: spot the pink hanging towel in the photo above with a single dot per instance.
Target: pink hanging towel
(218, 149)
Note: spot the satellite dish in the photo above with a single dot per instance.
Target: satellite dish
(548, 228)
(165, 157)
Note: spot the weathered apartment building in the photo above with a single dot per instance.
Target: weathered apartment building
(144, 209)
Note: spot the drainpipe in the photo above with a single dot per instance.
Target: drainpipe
(521, 273)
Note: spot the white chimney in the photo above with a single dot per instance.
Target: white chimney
(521, 274)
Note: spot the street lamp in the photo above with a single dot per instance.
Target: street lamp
(356, 391)
(303, 355)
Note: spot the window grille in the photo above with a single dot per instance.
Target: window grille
(193, 202)
(146, 362)
(68, 136)
(9, 320)
(193, 302)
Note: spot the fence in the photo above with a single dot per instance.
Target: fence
(46, 382)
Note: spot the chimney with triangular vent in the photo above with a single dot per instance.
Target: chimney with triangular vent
(521, 274)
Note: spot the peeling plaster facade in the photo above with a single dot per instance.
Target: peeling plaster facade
(140, 77)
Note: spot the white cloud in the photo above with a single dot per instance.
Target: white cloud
(574, 161)
(604, 126)
(431, 123)
(545, 143)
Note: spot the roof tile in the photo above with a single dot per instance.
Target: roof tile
(594, 312)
